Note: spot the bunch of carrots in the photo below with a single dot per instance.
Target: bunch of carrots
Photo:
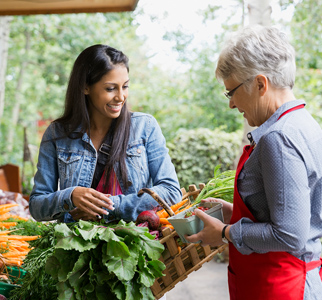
(176, 208)
(13, 248)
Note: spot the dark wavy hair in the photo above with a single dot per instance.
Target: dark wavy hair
(90, 66)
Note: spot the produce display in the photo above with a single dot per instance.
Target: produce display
(98, 260)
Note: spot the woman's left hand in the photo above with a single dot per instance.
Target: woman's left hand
(211, 233)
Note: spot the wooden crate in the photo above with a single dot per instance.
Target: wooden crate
(181, 262)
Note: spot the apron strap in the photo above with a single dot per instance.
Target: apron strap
(313, 264)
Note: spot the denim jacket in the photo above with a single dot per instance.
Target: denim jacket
(64, 164)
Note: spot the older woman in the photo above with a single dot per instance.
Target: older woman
(275, 224)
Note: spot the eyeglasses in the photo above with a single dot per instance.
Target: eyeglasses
(231, 93)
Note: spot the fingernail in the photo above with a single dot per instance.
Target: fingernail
(106, 212)
(112, 208)
(98, 217)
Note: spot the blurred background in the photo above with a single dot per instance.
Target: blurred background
(173, 46)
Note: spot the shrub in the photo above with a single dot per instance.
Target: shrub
(196, 152)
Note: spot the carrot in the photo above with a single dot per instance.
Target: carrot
(164, 221)
(15, 254)
(4, 232)
(176, 206)
(4, 217)
(23, 237)
(189, 206)
(4, 208)
(7, 224)
(16, 217)
(163, 214)
(13, 262)
(168, 226)
(8, 205)
(18, 237)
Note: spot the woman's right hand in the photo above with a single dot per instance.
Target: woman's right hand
(91, 202)
(227, 208)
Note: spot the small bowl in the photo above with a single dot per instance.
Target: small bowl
(192, 225)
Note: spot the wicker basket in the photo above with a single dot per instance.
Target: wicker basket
(181, 261)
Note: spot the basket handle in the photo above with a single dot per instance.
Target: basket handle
(157, 198)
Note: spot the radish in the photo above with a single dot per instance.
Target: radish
(149, 216)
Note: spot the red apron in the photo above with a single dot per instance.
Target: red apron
(269, 276)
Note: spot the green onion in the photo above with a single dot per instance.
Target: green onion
(220, 186)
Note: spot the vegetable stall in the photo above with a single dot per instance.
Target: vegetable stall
(98, 260)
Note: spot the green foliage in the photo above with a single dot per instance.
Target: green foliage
(86, 260)
(308, 86)
(42, 49)
(306, 28)
(220, 186)
(37, 284)
(92, 261)
(196, 152)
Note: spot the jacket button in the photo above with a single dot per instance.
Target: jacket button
(138, 151)
(129, 183)
(66, 206)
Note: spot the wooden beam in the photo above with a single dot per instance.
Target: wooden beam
(31, 7)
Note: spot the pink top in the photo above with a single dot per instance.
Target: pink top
(113, 188)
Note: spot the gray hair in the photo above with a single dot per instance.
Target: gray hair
(258, 50)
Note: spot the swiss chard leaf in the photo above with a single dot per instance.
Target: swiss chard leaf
(118, 287)
(156, 267)
(117, 249)
(52, 267)
(133, 290)
(146, 293)
(65, 292)
(68, 240)
(129, 229)
(153, 248)
(86, 230)
(124, 269)
(145, 275)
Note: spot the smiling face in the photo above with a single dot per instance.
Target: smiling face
(253, 105)
(107, 96)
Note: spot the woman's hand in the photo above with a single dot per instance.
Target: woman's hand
(227, 208)
(211, 233)
(89, 204)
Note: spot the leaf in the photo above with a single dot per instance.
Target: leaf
(119, 289)
(104, 292)
(153, 248)
(77, 277)
(67, 260)
(133, 291)
(107, 234)
(68, 240)
(129, 229)
(52, 267)
(156, 268)
(116, 249)
(65, 292)
(87, 230)
(145, 276)
(124, 269)
(146, 293)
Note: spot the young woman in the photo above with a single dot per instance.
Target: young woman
(95, 158)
